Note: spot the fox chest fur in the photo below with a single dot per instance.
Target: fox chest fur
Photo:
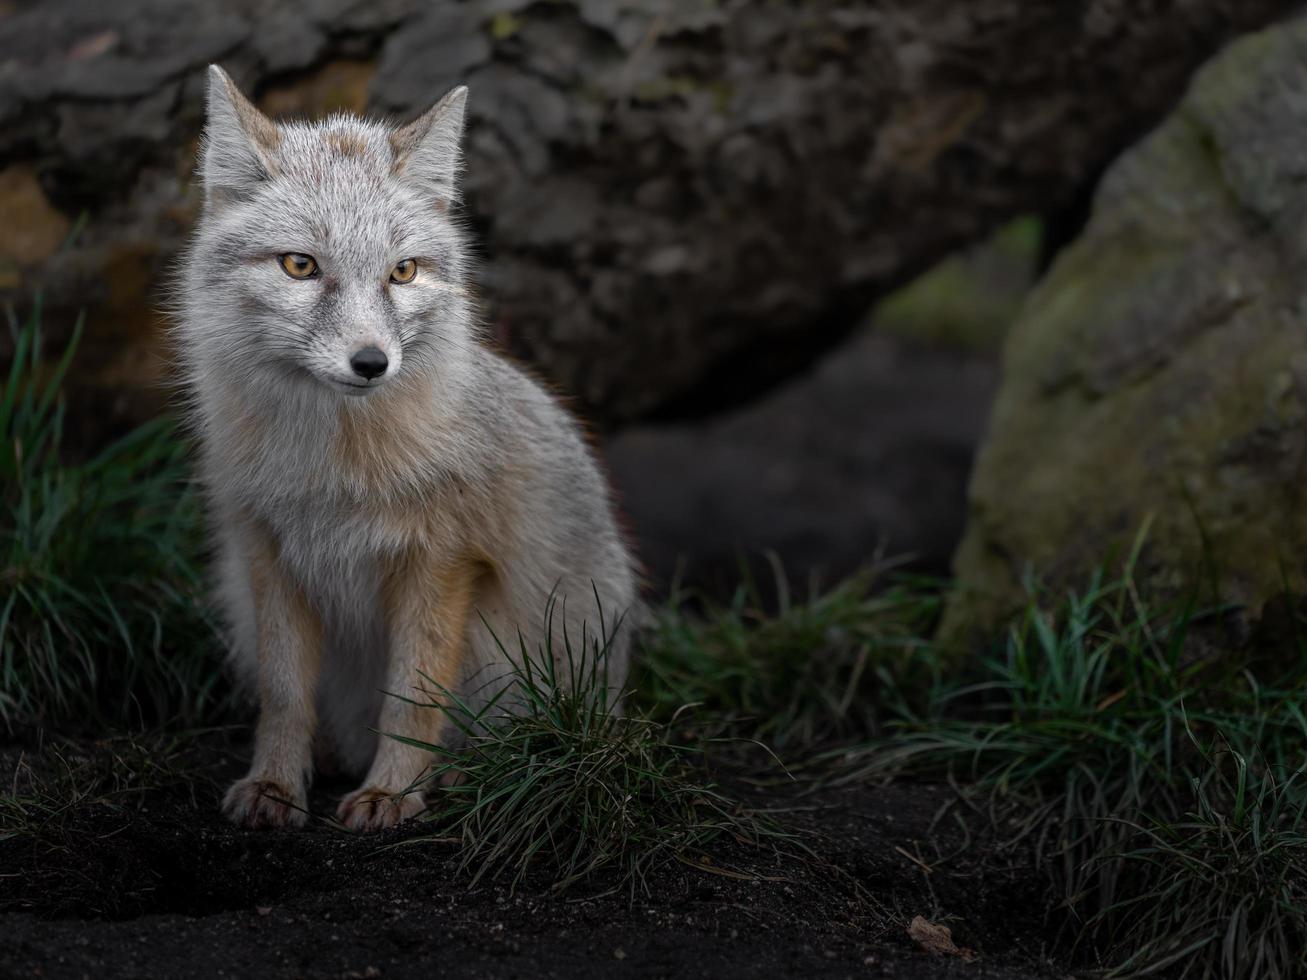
(345, 498)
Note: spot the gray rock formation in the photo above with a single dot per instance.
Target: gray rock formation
(1160, 370)
(681, 202)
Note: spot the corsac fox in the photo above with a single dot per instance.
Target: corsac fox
(394, 506)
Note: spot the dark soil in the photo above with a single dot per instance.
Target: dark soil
(152, 883)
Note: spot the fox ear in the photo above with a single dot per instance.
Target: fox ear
(429, 149)
(240, 142)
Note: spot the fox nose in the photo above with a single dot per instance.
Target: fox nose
(370, 362)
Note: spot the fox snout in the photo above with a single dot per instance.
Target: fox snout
(369, 363)
(365, 362)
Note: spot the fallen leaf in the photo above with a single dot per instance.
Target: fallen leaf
(937, 939)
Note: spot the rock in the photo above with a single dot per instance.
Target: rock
(737, 181)
(1160, 370)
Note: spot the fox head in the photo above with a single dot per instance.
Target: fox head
(326, 253)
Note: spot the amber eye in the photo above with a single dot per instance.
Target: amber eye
(298, 266)
(404, 271)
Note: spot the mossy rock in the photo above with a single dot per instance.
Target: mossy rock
(1159, 372)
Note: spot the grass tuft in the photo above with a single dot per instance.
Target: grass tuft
(833, 667)
(101, 623)
(551, 780)
(1095, 734)
(1218, 892)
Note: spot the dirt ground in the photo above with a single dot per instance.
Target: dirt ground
(156, 885)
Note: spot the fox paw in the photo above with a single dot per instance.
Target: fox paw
(263, 803)
(370, 808)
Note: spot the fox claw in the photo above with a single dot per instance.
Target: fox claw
(263, 803)
(371, 808)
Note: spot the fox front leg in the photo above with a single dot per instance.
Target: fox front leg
(428, 603)
(274, 793)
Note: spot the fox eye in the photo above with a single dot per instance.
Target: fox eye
(404, 271)
(298, 266)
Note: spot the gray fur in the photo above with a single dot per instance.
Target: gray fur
(493, 459)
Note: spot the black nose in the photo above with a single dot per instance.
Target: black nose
(369, 363)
